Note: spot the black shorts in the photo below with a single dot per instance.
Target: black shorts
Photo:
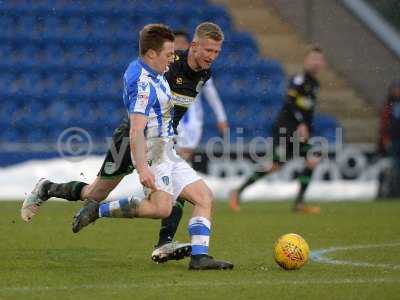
(118, 160)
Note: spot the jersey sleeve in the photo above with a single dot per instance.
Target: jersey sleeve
(140, 97)
(211, 94)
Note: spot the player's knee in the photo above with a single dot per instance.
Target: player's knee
(205, 198)
(163, 207)
(164, 211)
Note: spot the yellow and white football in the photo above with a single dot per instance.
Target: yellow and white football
(291, 251)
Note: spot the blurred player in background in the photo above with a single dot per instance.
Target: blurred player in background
(190, 127)
(294, 119)
(186, 75)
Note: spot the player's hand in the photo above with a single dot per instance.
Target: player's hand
(302, 131)
(223, 127)
(147, 178)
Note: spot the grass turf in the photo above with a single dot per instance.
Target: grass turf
(111, 260)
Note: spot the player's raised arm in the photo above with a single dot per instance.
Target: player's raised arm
(211, 94)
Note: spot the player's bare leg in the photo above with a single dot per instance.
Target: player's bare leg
(234, 196)
(157, 205)
(234, 201)
(166, 248)
(201, 197)
(100, 188)
(70, 191)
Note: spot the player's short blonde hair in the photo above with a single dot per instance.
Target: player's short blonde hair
(209, 30)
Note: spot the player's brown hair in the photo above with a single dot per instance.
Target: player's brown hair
(153, 36)
(209, 30)
(182, 33)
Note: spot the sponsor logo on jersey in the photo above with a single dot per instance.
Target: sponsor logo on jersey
(143, 99)
(182, 100)
(179, 80)
(304, 103)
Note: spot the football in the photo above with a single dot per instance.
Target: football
(291, 251)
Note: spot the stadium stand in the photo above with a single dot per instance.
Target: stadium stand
(62, 64)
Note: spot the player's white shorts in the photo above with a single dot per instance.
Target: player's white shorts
(172, 173)
(189, 135)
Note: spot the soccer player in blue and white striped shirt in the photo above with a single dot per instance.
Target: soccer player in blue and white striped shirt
(164, 175)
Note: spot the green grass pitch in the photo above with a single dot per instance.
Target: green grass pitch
(111, 260)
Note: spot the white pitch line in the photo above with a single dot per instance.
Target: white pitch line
(232, 283)
(319, 256)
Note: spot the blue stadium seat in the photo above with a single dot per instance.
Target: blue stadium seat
(36, 135)
(82, 84)
(102, 27)
(53, 54)
(270, 67)
(77, 27)
(27, 55)
(75, 55)
(6, 81)
(103, 56)
(244, 39)
(12, 134)
(106, 85)
(325, 126)
(7, 25)
(53, 28)
(29, 83)
(26, 27)
(6, 53)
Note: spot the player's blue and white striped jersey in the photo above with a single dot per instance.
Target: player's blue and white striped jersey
(147, 92)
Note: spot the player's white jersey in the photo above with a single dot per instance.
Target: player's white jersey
(147, 92)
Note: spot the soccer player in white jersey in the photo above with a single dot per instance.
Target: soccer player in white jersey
(190, 128)
(164, 175)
